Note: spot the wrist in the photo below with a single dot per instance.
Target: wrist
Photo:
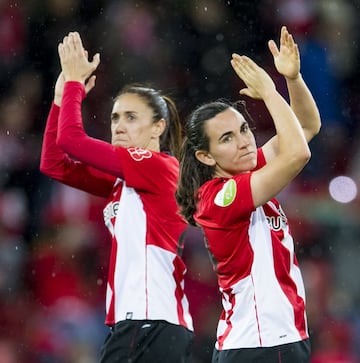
(269, 95)
(74, 86)
(57, 100)
(293, 79)
(74, 79)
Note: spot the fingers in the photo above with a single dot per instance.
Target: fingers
(283, 35)
(238, 65)
(76, 41)
(245, 92)
(245, 68)
(243, 64)
(74, 58)
(90, 84)
(273, 48)
(60, 49)
(72, 43)
(96, 60)
(286, 39)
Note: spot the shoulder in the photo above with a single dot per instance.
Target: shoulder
(138, 154)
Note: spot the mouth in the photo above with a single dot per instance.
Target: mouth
(119, 142)
(248, 154)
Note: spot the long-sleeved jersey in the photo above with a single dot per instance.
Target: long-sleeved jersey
(146, 272)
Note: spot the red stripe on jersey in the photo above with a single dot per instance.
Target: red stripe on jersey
(229, 313)
(178, 273)
(282, 272)
(110, 316)
(257, 315)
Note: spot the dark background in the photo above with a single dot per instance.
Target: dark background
(53, 245)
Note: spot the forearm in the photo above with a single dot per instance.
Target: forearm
(292, 152)
(304, 106)
(51, 155)
(73, 139)
(54, 162)
(57, 165)
(70, 128)
(290, 136)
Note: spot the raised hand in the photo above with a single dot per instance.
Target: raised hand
(74, 59)
(258, 82)
(59, 89)
(287, 58)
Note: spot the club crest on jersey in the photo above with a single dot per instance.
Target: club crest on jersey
(110, 211)
(227, 194)
(139, 154)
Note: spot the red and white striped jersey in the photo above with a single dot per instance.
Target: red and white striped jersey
(146, 273)
(259, 278)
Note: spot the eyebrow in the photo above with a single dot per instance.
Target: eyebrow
(225, 134)
(125, 112)
(230, 132)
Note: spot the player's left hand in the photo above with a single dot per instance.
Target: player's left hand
(287, 58)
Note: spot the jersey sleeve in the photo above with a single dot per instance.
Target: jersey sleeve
(57, 165)
(224, 202)
(148, 170)
(260, 159)
(73, 139)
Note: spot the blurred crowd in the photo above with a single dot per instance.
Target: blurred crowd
(53, 245)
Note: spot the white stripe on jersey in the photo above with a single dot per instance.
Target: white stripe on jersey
(130, 269)
(144, 281)
(259, 313)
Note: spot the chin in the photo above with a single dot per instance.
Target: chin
(253, 165)
(120, 143)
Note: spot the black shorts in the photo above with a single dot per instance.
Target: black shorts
(144, 341)
(298, 352)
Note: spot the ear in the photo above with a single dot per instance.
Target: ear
(159, 127)
(205, 158)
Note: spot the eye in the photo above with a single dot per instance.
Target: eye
(130, 116)
(244, 128)
(227, 138)
(114, 117)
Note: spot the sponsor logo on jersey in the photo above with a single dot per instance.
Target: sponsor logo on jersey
(227, 194)
(139, 154)
(277, 222)
(110, 212)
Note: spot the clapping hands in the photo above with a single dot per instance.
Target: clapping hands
(259, 83)
(74, 59)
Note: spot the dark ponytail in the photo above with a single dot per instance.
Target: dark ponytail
(170, 140)
(193, 173)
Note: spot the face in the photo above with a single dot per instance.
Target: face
(132, 123)
(232, 146)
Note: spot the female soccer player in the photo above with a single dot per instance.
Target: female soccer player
(227, 186)
(146, 307)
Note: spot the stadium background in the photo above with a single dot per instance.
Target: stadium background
(53, 246)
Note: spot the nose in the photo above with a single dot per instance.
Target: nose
(119, 127)
(243, 141)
